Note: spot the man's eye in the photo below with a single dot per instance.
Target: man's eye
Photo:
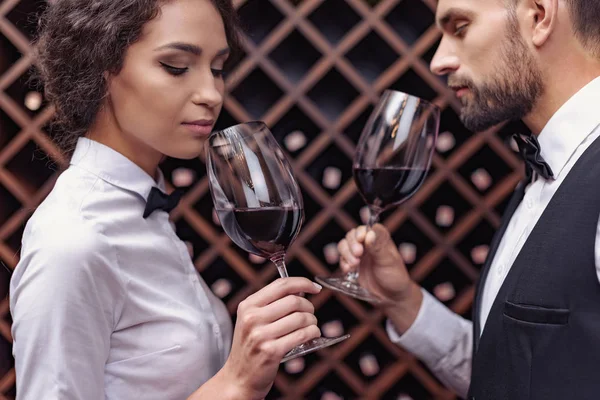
(460, 29)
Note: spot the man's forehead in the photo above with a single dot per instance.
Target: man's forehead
(467, 4)
(446, 4)
(446, 8)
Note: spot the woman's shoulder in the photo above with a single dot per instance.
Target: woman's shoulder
(65, 247)
(66, 257)
(69, 201)
(66, 239)
(59, 227)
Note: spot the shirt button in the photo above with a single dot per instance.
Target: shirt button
(216, 330)
(529, 204)
(500, 269)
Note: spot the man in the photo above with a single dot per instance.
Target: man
(536, 322)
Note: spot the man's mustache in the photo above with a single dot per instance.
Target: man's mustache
(455, 82)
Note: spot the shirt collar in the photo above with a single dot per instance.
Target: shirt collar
(570, 126)
(114, 168)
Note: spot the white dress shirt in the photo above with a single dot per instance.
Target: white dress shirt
(443, 339)
(107, 304)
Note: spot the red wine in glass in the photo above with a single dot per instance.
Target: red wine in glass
(384, 187)
(265, 231)
(257, 199)
(391, 162)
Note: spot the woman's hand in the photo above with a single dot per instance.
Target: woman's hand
(269, 324)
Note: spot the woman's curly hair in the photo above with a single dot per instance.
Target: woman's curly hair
(80, 40)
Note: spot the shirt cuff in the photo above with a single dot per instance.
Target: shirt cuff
(433, 334)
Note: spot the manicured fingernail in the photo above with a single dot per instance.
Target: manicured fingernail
(318, 286)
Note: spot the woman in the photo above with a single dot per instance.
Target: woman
(106, 302)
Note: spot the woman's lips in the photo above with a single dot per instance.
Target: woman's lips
(200, 128)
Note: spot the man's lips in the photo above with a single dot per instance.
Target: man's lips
(460, 91)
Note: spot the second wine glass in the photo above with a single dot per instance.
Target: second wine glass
(391, 162)
(257, 199)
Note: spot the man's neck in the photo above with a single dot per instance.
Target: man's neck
(560, 87)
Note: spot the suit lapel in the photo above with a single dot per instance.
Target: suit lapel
(508, 213)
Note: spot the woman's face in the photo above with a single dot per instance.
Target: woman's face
(169, 93)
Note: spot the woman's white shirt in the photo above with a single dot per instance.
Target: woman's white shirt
(107, 304)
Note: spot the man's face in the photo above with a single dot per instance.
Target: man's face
(488, 64)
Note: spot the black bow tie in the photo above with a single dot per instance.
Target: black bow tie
(529, 147)
(157, 200)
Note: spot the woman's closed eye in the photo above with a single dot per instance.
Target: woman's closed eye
(175, 71)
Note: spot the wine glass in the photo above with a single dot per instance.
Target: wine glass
(257, 199)
(391, 162)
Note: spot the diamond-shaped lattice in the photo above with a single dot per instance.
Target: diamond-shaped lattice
(295, 56)
(257, 93)
(295, 130)
(333, 94)
(369, 359)
(331, 169)
(410, 19)
(452, 133)
(484, 168)
(286, 40)
(412, 243)
(327, 253)
(23, 16)
(354, 130)
(411, 82)
(259, 18)
(9, 53)
(446, 281)
(372, 56)
(408, 388)
(9, 204)
(9, 129)
(25, 91)
(475, 245)
(31, 166)
(332, 387)
(334, 18)
(445, 208)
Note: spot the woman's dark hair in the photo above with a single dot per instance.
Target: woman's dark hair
(79, 40)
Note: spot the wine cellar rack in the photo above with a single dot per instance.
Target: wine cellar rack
(312, 70)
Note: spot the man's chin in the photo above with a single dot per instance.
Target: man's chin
(476, 123)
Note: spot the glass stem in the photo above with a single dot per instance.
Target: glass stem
(373, 218)
(352, 276)
(279, 262)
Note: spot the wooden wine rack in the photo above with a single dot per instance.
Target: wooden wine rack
(313, 70)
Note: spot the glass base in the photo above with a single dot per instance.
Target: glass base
(342, 284)
(312, 345)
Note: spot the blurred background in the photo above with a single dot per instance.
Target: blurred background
(312, 70)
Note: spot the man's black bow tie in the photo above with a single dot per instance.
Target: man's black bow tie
(530, 150)
(157, 200)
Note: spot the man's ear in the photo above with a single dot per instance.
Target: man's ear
(543, 15)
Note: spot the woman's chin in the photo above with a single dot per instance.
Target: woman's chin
(187, 153)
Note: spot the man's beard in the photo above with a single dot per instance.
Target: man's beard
(512, 92)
